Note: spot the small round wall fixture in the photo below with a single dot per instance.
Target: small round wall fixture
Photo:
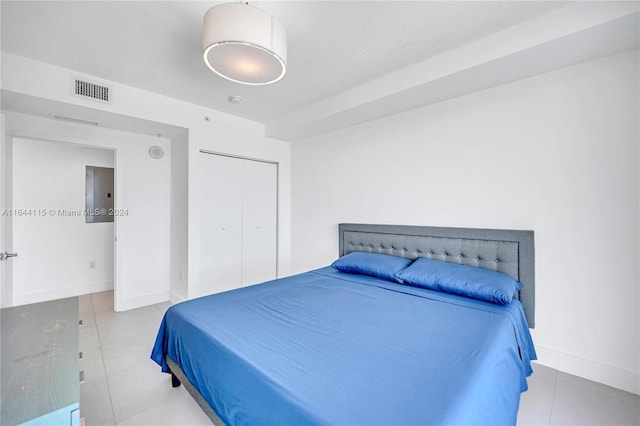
(244, 44)
(156, 152)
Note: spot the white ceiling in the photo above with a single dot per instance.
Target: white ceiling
(334, 46)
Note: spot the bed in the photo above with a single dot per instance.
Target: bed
(370, 340)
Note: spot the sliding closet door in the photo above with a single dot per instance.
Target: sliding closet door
(220, 223)
(259, 221)
(238, 222)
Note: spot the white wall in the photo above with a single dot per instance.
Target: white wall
(179, 289)
(55, 244)
(206, 129)
(142, 188)
(556, 153)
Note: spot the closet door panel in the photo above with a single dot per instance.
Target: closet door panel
(259, 218)
(220, 223)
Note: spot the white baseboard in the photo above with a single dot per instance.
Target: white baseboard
(61, 293)
(174, 298)
(141, 301)
(606, 374)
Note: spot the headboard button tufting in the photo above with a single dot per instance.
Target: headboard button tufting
(485, 248)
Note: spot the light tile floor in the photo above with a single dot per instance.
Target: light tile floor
(124, 387)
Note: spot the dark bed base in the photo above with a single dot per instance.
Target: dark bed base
(175, 382)
(178, 377)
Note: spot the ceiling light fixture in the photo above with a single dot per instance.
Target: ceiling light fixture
(244, 44)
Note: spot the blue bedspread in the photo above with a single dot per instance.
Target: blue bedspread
(325, 347)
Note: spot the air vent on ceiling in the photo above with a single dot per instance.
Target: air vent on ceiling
(87, 89)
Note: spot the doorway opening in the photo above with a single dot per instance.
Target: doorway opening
(61, 254)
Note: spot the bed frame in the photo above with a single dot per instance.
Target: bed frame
(508, 251)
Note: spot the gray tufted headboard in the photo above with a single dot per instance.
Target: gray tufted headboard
(508, 251)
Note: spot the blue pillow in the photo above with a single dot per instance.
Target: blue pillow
(373, 264)
(463, 280)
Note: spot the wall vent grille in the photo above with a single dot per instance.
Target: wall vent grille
(92, 90)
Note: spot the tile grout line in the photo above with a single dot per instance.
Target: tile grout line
(98, 327)
(553, 397)
(600, 388)
(106, 377)
(140, 412)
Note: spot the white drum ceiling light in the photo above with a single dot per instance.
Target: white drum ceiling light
(244, 44)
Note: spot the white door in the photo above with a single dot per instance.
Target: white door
(6, 240)
(238, 222)
(259, 221)
(3, 244)
(220, 223)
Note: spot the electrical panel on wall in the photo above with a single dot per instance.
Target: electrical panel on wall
(99, 194)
